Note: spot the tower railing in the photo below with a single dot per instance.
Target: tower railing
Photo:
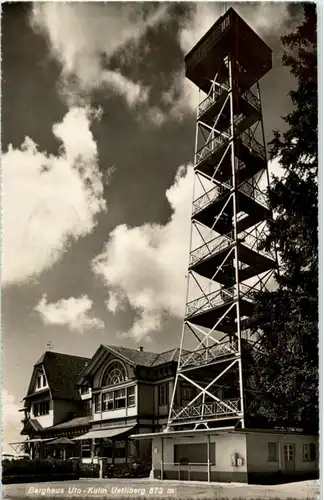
(228, 265)
(253, 144)
(224, 138)
(208, 197)
(252, 99)
(210, 100)
(207, 355)
(219, 298)
(217, 408)
(213, 145)
(254, 193)
(220, 92)
(210, 247)
(215, 245)
(209, 301)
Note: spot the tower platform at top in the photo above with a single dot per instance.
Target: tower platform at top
(229, 35)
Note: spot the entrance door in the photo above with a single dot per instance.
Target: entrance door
(289, 455)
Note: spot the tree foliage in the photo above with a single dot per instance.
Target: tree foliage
(286, 374)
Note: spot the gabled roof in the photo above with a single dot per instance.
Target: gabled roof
(37, 393)
(74, 422)
(134, 357)
(167, 357)
(62, 371)
(145, 358)
(33, 424)
(63, 441)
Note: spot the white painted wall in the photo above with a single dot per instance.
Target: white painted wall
(257, 454)
(225, 445)
(44, 420)
(252, 448)
(88, 395)
(119, 413)
(163, 410)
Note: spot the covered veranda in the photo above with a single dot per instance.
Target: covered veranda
(33, 447)
(111, 443)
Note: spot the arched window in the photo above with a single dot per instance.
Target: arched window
(114, 374)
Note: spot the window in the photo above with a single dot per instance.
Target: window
(88, 407)
(131, 396)
(97, 405)
(187, 393)
(114, 400)
(115, 374)
(86, 448)
(194, 453)
(40, 380)
(107, 401)
(84, 390)
(289, 452)
(163, 394)
(41, 408)
(309, 452)
(120, 398)
(272, 452)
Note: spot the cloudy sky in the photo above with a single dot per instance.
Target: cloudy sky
(98, 135)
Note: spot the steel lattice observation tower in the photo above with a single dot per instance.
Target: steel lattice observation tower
(229, 213)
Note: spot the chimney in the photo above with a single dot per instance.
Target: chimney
(140, 349)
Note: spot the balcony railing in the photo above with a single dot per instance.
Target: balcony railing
(207, 355)
(205, 410)
(212, 146)
(253, 242)
(252, 99)
(217, 244)
(209, 248)
(218, 142)
(251, 143)
(220, 90)
(254, 193)
(206, 302)
(217, 298)
(208, 197)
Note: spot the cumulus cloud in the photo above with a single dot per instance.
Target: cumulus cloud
(83, 37)
(72, 312)
(49, 200)
(145, 266)
(11, 421)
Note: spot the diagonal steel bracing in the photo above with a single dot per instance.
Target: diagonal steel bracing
(226, 264)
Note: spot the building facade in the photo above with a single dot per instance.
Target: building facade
(88, 408)
(235, 455)
(115, 406)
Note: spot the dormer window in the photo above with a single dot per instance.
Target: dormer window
(114, 374)
(40, 380)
